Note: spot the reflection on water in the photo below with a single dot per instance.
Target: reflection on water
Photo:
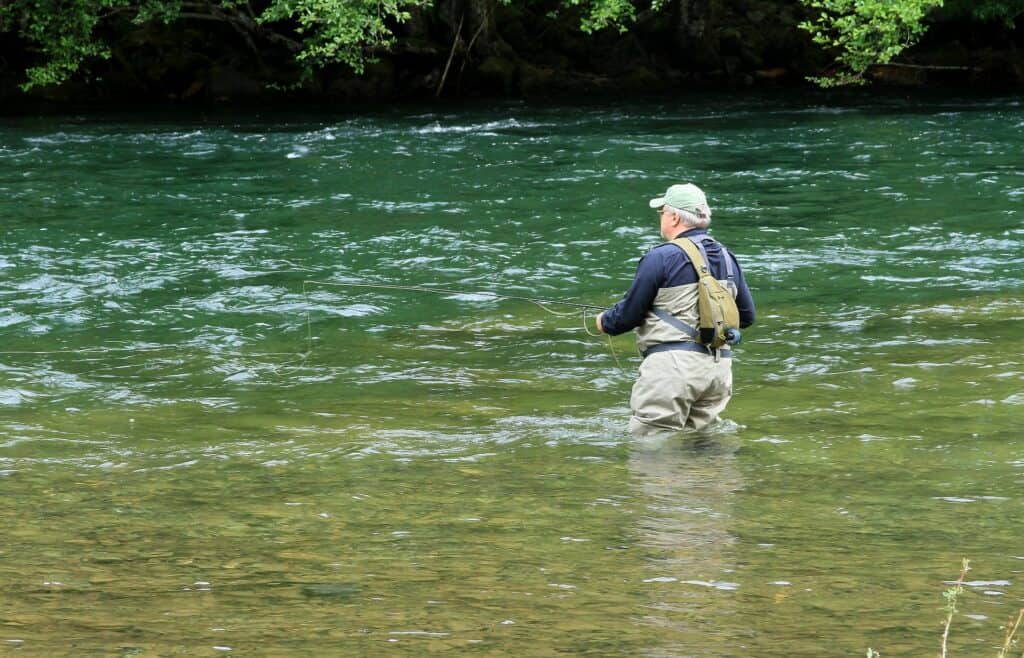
(687, 485)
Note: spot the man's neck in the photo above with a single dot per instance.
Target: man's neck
(689, 229)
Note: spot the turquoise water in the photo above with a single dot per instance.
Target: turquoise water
(203, 453)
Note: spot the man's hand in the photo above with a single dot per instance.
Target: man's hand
(597, 321)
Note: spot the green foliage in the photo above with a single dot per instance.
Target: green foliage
(340, 31)
(163, 11)
(865, 32)
(602, 14)
(599, 14)
(62, 33)
(988, 10)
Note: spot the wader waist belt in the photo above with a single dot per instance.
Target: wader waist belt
(687, 346)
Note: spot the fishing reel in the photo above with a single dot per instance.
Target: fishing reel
(732, 336)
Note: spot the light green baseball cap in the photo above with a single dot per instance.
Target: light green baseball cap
(684, 197)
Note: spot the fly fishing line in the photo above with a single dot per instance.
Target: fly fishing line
(543, 304)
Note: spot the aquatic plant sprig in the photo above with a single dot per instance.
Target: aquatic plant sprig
(1011, 632)
(951, 595)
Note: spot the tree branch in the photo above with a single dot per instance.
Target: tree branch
(924, 67)
(244, 25)
(451, 55)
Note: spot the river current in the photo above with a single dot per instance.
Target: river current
(208, 446)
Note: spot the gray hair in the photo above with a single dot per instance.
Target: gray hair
(700, 218)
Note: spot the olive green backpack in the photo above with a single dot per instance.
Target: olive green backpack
(719, 318)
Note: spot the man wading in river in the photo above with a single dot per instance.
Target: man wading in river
(683, 384)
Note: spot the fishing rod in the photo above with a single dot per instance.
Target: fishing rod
(446, 291)
(542, 303)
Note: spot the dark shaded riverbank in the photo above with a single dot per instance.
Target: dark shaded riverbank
(450, 51)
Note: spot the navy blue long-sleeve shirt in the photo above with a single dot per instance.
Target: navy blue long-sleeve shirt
(667, 266)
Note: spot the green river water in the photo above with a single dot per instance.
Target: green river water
(188, 467)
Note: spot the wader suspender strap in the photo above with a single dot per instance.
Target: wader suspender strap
(730, 275)
(698, 258)
(675, 322)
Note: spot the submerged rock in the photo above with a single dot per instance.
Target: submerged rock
(332, 590)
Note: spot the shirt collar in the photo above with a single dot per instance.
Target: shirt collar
(692, 233)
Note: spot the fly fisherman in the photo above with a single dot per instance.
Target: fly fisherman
(682, 384)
